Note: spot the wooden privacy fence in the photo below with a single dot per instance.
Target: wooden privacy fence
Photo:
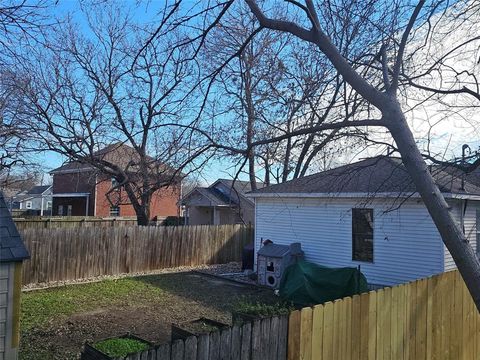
(264, 339)
(433, 318)
(59, 222)
(80, 253)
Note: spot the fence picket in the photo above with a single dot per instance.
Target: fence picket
(306, 334)
(225, 344)
(246, 344)
(214, 346)
(203, 347)
(317, 332)
(191, 348)
(293, 346)
(236, 342)
(327, 331)
(178, 350)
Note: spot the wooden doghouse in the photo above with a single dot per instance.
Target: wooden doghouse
(273, 259)
(12, 253)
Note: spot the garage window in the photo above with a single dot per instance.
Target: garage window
(362, 235)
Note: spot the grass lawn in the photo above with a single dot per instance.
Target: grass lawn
(56, 322)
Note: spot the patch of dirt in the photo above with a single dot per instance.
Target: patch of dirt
(188, 296)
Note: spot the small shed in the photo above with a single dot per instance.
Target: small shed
(273, 259)
(12, 253)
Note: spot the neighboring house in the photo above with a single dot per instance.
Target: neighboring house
(38, 199)
(223, 202)
(80, 190)
(367, 214)
(12, 253)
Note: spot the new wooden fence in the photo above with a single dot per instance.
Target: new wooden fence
(59, 222)
(432, 318)
(79, 253)
(264, 339)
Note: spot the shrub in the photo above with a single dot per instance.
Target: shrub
(263, 309)
(120, 347)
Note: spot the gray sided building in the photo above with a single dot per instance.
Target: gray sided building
(12, 254)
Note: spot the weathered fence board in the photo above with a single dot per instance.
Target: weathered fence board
(246, 342)
(432, 318)
(78, 253)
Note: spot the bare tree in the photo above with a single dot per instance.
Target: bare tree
(88, 91)
(369, 45)
(271, 86)
(21, 23)
(320, 20)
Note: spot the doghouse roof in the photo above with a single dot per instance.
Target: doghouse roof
(274, 250)
(11, 244)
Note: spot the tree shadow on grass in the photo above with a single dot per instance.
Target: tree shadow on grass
(210, 291)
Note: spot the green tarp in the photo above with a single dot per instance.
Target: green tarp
(305, 283)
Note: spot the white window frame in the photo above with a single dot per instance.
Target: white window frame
(28, 204)
(114, 210)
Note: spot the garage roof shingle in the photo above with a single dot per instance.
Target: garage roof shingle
(371, 176)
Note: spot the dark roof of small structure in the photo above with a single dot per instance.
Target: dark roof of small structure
(37, 190)
(11, 244)
(274, 250)
(374, 175)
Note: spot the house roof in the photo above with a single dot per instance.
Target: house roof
(214, 196)
(37, 190)
(120, 154)
(219, 198)
(11, 244)
(371, 176)
(240, 186)
(72, 166)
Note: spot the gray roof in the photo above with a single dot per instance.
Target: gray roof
(215, 197)
(241, 186)
(274, 250)
(37, 190)
(11, 244)
(374, 175)
(218, 198)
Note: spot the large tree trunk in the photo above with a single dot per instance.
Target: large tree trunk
(141, 206)
(142, 218)
(453, 237)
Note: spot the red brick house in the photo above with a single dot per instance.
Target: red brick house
(80, 190)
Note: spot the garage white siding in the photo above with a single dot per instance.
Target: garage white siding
(407, 245)
(4, 287)
(469, 209)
